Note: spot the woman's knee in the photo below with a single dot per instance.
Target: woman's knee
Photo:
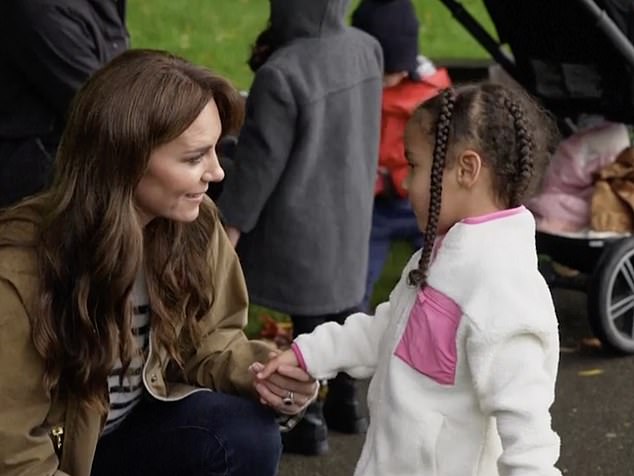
(255, 442)
(243, 436)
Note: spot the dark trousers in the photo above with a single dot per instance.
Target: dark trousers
(306, 324)
(26, 168)
(392, 219)
(207, 433)
(340, 406)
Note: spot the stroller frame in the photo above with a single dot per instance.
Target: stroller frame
(606, 263)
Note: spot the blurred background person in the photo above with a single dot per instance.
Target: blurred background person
(299, 196)
(48, 48)
(408, 80)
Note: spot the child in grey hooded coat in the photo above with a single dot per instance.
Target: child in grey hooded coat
(298, 200)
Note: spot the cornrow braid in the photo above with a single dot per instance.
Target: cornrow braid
(418, 277)
(525, 152)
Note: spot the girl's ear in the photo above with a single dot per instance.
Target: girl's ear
(468, 167)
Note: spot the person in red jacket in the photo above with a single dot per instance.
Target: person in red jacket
(408, 80)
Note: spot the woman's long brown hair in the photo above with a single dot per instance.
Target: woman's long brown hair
(91, 243)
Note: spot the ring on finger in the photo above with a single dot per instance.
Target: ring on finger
(289, 399)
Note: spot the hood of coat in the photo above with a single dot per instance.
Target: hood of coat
(292, 19)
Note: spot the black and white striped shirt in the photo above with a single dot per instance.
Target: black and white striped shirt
(125, 394)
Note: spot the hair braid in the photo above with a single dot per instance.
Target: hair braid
(525, 153)
(418, 277)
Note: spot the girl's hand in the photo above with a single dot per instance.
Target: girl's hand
(277, 359)
(283, 385)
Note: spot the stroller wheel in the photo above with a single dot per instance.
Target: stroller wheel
(611, 297)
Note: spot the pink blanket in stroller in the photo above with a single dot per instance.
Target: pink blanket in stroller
(564, 202)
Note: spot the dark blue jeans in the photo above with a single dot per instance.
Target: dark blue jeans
(392, 219)
(205, 434)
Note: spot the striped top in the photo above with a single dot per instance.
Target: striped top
(127, 393)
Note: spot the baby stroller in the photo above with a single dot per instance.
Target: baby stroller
(577, 57)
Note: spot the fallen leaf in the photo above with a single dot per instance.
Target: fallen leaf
(589, 372)
(590, 343)
(567, 350)
(281, 333)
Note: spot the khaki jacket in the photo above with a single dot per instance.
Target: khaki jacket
(28, 413)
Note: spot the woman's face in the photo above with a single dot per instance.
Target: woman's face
(179, 171)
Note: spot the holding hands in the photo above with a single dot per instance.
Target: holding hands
(282, 384)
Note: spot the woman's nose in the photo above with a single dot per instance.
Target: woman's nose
(214, 172)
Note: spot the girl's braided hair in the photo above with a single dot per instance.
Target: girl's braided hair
(512, 134)
(441, 143)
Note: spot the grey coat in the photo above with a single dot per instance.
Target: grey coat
(302, 187)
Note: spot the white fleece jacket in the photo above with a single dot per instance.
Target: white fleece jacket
(462, 385)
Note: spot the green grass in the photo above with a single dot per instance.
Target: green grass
(218, 34)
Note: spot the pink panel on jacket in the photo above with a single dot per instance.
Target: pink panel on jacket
(429, 342)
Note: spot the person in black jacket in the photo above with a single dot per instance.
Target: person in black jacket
(48, 48)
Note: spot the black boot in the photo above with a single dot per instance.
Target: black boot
(342, 409)
(310, 435)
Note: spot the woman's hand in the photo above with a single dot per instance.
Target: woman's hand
(283, 385)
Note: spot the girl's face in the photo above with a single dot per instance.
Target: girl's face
(419, 152)
(180, 171)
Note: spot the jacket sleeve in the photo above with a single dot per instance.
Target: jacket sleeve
(352, 347)
(264, 145)
(514, 376)
(222, 357)
(25, 447)
(52, 46)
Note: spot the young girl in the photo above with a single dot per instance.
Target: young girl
(464, 354)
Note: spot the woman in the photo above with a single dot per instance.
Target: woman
(122, 302)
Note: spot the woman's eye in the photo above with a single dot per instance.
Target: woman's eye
(196, 159)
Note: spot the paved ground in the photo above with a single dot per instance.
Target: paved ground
(593, 413)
